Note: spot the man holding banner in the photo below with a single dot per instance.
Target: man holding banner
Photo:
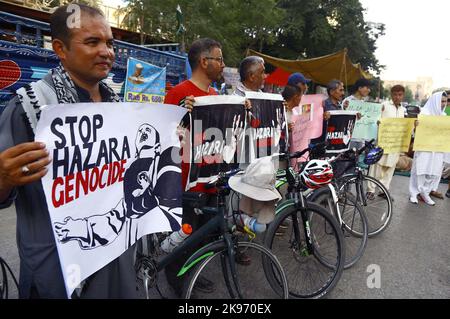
(299, 80)
(361, 91)
(385, 168)
(427, 165)
(335, 90)
(83, 41)
(252, 73)
(206, 60)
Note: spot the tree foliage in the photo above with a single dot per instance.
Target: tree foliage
(48, 5)
(409, 95)
(287, 29)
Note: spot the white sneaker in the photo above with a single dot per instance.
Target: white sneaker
(413, 199)
(427, 199)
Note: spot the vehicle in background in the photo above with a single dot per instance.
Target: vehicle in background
(412, 111)
(25, 57)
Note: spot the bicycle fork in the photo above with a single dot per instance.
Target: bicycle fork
(229, 267)
(360, 189)
(300, 204)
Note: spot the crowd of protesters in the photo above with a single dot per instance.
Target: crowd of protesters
(86, 56)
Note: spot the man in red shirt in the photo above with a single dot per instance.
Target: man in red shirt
(206, 60)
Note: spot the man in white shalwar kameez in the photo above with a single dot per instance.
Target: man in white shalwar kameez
(384, 170)
(427, 166)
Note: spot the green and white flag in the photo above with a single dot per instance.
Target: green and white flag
(181, 28)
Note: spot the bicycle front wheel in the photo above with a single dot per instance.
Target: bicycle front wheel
(244, 281)
(353, 221)
(378, 208)
(309, 274)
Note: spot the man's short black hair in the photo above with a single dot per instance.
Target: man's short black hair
(59, 21)
(199, 47)
(398, 88)
(362, 83)
(290, 91)
(247, 66)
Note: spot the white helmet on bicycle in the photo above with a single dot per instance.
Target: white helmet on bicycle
(316, 174)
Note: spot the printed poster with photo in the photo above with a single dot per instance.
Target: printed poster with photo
(145, 82)
(308, 123)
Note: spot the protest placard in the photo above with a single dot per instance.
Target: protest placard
(432, 134)
(339, 131)
(366, 128)
(267, 129)
(308, 123)
(108, 183)
(217, 135)
(394, 134)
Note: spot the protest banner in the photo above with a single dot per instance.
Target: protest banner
(316, 101)
(267, 132)
(432, 134)
(216, 137)
(307, 125)
(108, 183)
(300, 137)
(339, 131)
(394, 134)
(366, 128)
(144, 83)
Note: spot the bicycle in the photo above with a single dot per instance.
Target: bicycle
(379, 208)
(347, 211)
(350, 216)
(4, 283)
(238, 281)
(311, 248)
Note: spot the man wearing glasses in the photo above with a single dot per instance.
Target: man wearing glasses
(206, 60)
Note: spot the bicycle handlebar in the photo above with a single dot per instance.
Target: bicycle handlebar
(366, 146)
(222, 177)
(312, 147)
(354, 151)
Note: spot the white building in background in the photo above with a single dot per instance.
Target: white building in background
(111, 14)
(422, 88)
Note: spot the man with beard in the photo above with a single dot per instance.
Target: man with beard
(207, 64)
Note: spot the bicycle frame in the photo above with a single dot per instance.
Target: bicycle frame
(298, 199)
(217, 224)
(360, 194)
